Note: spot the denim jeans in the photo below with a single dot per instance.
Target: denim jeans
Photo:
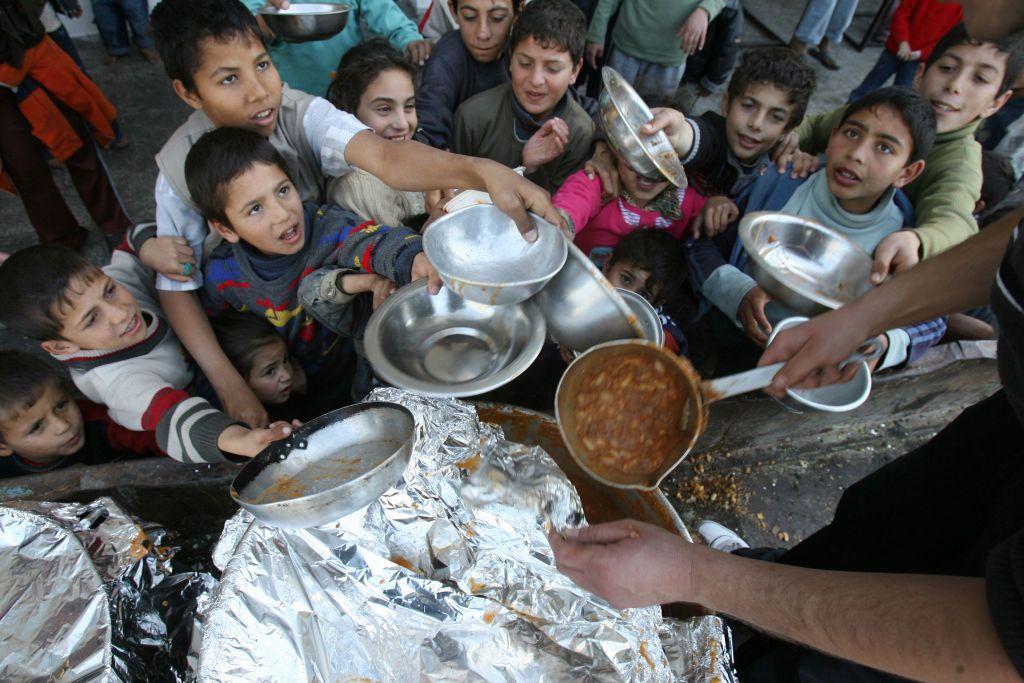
(887, 65)
(111, 19)
(825, 19)
(646, 77)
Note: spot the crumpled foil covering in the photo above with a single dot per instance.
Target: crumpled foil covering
(448, 575)
(88, 595)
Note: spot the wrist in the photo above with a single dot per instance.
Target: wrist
(228, 440)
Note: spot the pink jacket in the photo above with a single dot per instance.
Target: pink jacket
(603, 225)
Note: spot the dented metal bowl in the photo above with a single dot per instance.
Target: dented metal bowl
(305, 21)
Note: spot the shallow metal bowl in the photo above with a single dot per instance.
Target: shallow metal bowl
(444, 345)
(306, 21)
(804, 265)
(646, 316)
(480, 254)
(329, 467)
(622, 113)
(582, 308)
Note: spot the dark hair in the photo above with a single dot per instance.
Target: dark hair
(360, 67)
(997, 178)
(36, 280)
(661, 255)
(180, 25)
(911, 106)
(220, 156)
(553, 24)
(242, 335)
(517, 5)
(23, 379)
(1012, 46)
(779, 67)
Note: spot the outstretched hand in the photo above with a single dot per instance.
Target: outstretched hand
(673, 122)
(422, 267)
(602, 164)
(715, 217)
(814, 350)
(896, 253)
(546, 145)
(517, 196)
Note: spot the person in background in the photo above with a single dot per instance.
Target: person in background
(438, 20)
(708, 70)
(114, 18)
(917, 25)
(651, 39)
(822, 25)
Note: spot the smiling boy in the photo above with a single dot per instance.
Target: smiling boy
(532, 121)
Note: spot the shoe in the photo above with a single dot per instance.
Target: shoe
(150, 54)
(719, 537)
(823, 57)
(109, 60)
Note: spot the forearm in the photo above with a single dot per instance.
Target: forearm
(413, 166)
(923, 627)
(190, 323)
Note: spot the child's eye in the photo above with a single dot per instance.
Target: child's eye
(254, 209)
(982, 79)
(61, 405)
(228, 80)
(89, 321)
(885, 149)
(383, 111)
(269, 371)
(411, 106)
(263, 66)
(34, 429)
(851, 133)
(109, 292)
(284, 190)
(778, 118)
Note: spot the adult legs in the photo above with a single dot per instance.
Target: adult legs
(659, 79)
(813, 24)
(137, 14)
(887, 65)
(110, 22)
(905, 74)
(627, 66)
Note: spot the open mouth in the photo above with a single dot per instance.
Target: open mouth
(943, 108)
(291, 235)
(747, 142)
(845, 177)
(73, 441)
(645, 183)
(403, 136)
(132, 326)
(263, 118)
(535, 96)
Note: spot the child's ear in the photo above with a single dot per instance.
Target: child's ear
(996, 104)
(452, 5)
(918, 75)
(576, 71)
(223, 230)
(725, 103)
(59, 347)
(909, 174)
(5, 450)
(190, 98)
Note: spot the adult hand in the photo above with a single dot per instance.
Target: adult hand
(594, 52)
(603, 164)
(628, 563)
(804, 164)
(784, 150)
(515, 195)
(715, 217)
(896, 253)
(751, 315)
(546, 145)
(422, 267)
(279, 4)
(241, 403)
(694, 30)
(168, 256)
(249, 442)
(671, 121)
(904, 52)
(418, 51)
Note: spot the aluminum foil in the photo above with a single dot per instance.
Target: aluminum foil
(447, 576)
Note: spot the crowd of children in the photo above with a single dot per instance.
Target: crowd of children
(290, 204)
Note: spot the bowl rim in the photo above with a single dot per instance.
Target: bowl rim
(394, 375)
(753, 219)
(629, 295)
(339, 8)
(609, 289)
(539, 222)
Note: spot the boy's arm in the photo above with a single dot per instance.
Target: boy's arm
(815, 130)
(435, 104)
(379, 249)
(908, 343)
(384, 18)
(571, 158)
(945, 206)
(899, 28)
(580, 199)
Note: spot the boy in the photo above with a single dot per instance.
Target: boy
(301, 266)
(965, 81)
(463, 63)
(532, 121)
(213, 53)
(877, 148)
(43, 429)
(105, 327)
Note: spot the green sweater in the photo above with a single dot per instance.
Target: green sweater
(944, 194)
(646, 29)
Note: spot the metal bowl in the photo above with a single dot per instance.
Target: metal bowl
(646, 316)
(834, 398)
(306, 21)
(622, 113)
(329, 467)
(582, 308)
(480, 254)
(804, 265)
(444, 345)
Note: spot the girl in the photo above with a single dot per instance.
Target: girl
(374, 83)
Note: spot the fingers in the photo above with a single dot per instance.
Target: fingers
(177, 277)
(604, 533)
(698, 223)
(280, 4)
(663, 119)
(882, 264)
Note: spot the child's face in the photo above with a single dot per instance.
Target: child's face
(100, 315)
(640, 187)
(50, 429)
(272, 377)
(265, 210)
(236, 85)
(756, 120)
(484, 26)
(388, 105)
(964, 84)
(541, 75)
(628, 275)
(868, 154)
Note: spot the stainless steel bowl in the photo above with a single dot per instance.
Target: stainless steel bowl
(306, 21)
(835, 398)
(622, 113)
(329, 467)
(480, 254)
(444, 345)
(582, 308)
(646, 316)
(804, 265)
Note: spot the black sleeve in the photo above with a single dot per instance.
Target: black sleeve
(1004, 586)
(710, 146)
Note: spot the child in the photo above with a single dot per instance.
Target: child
(463, 63)
(43, 429)
(965, 81)
(114, 18)
(300, 266)
(105, 327)
(215, 57)
(375, 83)
(531, 121)
(878, 148)
(917, 25)
(647, 50)
(709, 69)
(643, 204)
